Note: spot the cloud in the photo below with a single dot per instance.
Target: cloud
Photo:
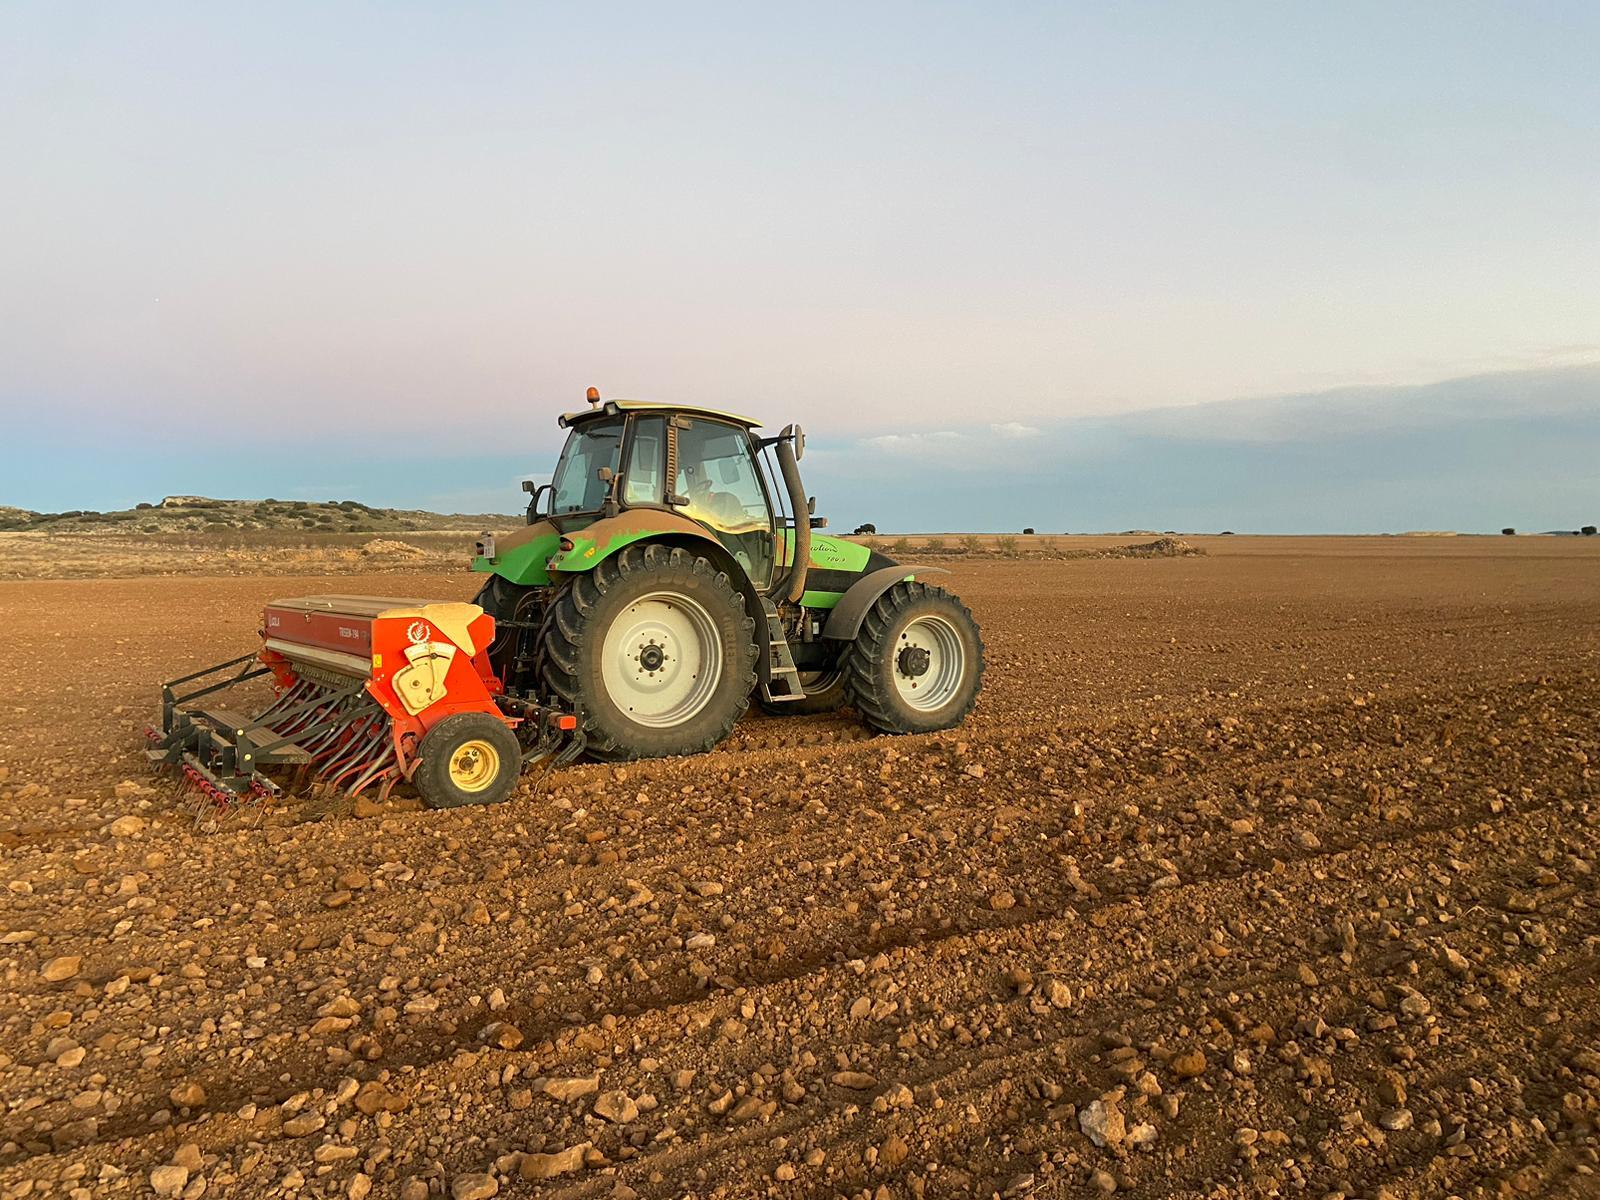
(1013, 430)
(906, 443)
(1555, 392)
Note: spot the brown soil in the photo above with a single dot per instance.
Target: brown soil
(1274, 869)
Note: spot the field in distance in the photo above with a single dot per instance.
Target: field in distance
(297, 538)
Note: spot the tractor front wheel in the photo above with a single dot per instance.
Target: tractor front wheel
(917, 662)
(653, 650)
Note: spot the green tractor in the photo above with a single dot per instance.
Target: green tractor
(669, 573)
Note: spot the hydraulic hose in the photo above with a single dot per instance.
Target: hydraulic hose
(790, 467)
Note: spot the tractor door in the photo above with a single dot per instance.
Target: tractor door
(719, 485)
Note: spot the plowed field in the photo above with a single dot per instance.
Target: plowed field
(1266, 872)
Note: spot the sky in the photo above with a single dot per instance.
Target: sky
(1061, 265)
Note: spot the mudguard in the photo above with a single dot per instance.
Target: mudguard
(598, 541)
(844, 622)
(521, 556)
(527, 556)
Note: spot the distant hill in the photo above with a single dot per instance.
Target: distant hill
(185, 514)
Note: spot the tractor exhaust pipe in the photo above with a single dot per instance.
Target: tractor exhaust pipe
(789, 464)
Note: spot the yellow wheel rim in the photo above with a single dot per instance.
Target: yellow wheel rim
(474, 765)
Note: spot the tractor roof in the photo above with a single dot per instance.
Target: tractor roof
(612, 408)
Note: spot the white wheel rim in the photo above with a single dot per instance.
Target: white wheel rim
(940, 682)
(661, 660)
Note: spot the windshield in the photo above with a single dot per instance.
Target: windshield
(578, 486)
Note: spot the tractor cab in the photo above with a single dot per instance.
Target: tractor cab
(702, 464)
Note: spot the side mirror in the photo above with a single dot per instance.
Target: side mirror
(605, 474)
(535, 491)
(819, 522)
(811, 506)
(799, 442)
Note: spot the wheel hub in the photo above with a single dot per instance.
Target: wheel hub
(914, 661)
(651, 657)
(474, 765)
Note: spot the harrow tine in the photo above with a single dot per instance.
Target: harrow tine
(287, 699)
(356, 753)
(384, 763)
(308, 714)
(326, 740)
(321, 741)
(391, 777)
(352, 736)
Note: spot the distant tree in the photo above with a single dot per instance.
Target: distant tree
(1588, 531)
(1508, 531)
(142, 505)
(1028, 531)
(865, 527)
(1229, 533)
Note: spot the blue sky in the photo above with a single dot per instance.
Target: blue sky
(372, 250)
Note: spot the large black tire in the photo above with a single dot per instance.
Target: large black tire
(470, 758)
(882, 676)
(824, 693)
(507, 602)
(572, 652)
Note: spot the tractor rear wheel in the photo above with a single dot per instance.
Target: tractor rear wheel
(653, 650)
(513, 607)
(917, 662)
(824, 693)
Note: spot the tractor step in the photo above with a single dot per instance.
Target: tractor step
(782, 680)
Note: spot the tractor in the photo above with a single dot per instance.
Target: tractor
(668, 574)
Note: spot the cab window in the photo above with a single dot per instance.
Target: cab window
(591, 446)
(718, 480)
(647, 452)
